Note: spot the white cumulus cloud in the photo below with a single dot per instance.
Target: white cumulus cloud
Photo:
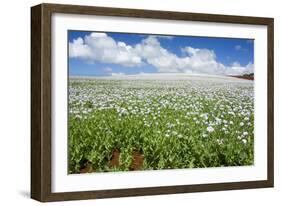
(99, 47)
(107, 69)
(79, 50)
(238, 47)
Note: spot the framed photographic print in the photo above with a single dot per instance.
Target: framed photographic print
(130, 102)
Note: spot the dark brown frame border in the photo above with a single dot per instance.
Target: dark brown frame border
(41, 101)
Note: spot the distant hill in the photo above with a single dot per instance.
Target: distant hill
(249, 76)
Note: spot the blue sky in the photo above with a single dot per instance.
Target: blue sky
(100, 54)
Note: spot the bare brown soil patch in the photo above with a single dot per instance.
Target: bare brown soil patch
(87, 169)
(137, 161)
(114, 160)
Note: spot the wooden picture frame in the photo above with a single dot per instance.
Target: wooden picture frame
(41, 96)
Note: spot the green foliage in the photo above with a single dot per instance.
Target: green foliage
(172, 127)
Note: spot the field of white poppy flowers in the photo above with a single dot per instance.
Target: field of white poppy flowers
(150, 122)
